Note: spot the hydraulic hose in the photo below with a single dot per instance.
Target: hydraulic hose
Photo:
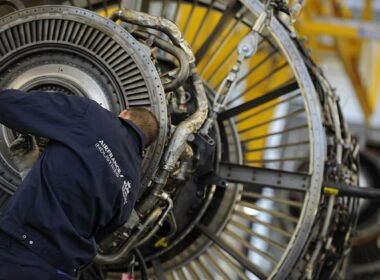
(142, 264)
(162, 24)
(339, 189)
(183, 72)
(128, 246)
(177, 144)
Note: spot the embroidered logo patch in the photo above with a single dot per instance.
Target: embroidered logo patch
(126, 189)
(109, 157)
(103, 148)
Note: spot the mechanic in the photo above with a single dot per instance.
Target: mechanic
(81, 188)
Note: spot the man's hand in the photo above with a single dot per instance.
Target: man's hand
(24, 152)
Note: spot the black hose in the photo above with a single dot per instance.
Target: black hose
(345, 190)
(179, 54)
(142, 264)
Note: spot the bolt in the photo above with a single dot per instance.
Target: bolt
(191, 138)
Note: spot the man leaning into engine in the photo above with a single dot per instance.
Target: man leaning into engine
(81, 188)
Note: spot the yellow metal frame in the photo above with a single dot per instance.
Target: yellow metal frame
(334, 19)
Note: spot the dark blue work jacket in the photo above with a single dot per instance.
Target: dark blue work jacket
(84, 184)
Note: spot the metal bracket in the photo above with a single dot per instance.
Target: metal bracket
(246, 49)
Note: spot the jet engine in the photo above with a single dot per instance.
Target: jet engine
(250, 132)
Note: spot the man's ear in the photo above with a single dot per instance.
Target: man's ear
(124, 114)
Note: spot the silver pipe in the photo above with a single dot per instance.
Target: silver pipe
(184, 233)
(178, 53)
(128, 246)
(162, 24)
(178, 142)
(187, 127)
(166, 197)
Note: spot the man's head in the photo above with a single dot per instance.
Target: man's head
(145, 120)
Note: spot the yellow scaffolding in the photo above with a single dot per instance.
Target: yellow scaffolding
(350, 36)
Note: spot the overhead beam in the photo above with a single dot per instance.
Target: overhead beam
(340, 28)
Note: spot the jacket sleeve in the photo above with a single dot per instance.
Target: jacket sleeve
(50, 115)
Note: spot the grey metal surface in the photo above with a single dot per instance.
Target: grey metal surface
(262, 177)
(317, 152)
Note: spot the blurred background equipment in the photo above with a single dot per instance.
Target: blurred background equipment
(243, 199)
(9, 6)
(344, 36)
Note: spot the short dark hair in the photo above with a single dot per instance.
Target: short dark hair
(147, 122)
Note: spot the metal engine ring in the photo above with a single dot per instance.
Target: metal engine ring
(216, 250)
